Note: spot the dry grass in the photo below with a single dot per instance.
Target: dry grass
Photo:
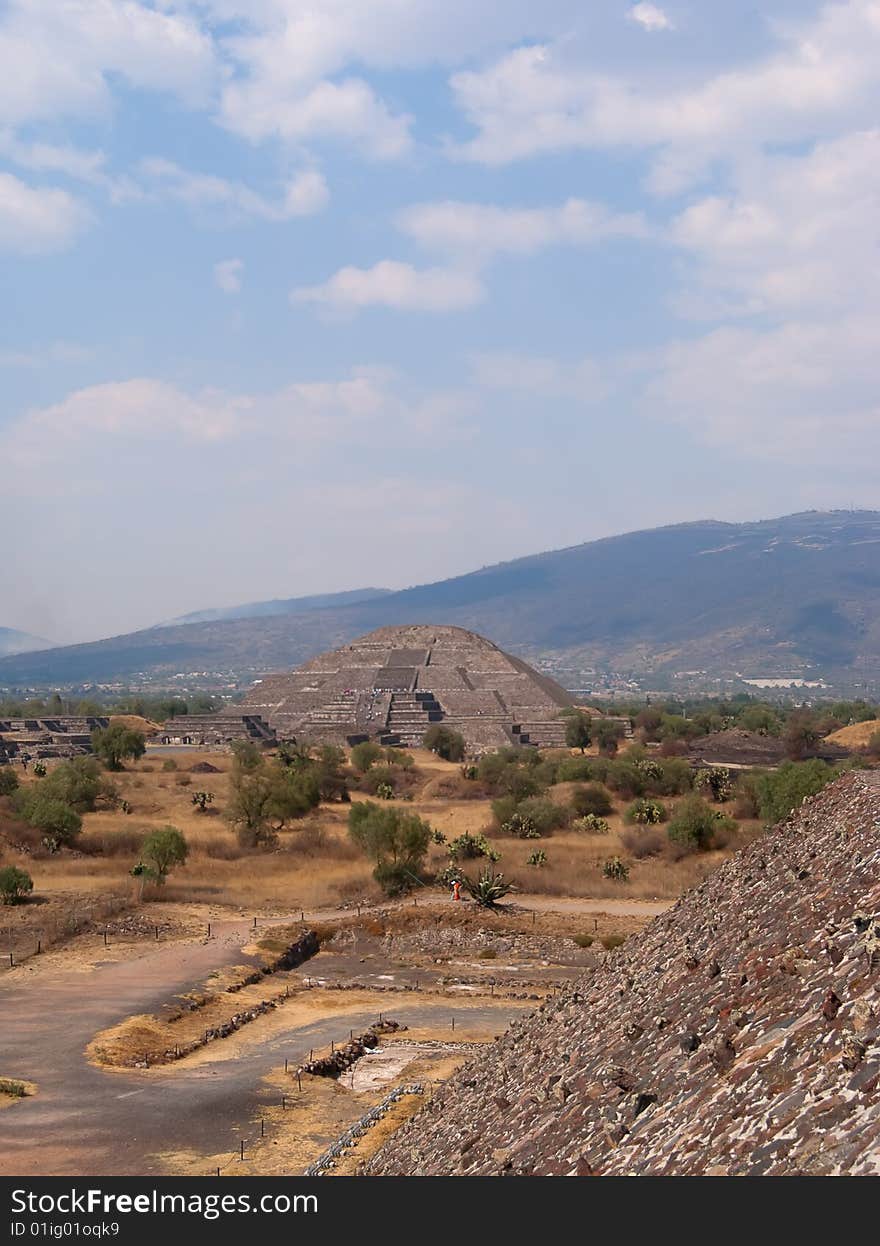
(315, 865)
(856, 735)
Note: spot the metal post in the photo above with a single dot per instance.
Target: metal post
(105, 938)
(241, 1150)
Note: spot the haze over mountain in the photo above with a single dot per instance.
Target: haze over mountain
(289, 605)
(792, 595)
(13, 641)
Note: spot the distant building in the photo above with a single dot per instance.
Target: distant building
(217, 729)
(65, 735)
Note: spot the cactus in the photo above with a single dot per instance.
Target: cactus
(487, 889)
(616, 869)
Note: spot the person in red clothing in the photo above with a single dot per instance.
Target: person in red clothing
(456, 890)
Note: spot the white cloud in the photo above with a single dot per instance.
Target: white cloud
(539, 98)
(479, 231)
(799, 394)
(649, 17)
(291, 59)
(267, 106)
(60, 56)
(305, 194)
(228, 275)
(134, 415)
(396, 285)
(34, 220)
(795, 235)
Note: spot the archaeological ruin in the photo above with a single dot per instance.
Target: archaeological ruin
(393, 684)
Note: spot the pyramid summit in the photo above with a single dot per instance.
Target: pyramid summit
(394, 683)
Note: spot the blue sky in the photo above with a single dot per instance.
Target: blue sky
(306, 296)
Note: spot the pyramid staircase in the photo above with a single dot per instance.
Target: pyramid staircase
(409, 717)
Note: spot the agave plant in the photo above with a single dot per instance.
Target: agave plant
(487, 889)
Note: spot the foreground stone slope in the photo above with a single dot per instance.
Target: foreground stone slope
(737, 1034)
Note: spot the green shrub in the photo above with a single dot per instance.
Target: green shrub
(169, 765)
(8, 781)
(365, 755)
(575, 769)
(646, 812)
(520, 827)
(779, 792)
(59, 823)
(695, 823)
(39, 769)
(469, 847)
(616, 869)
(592, 799)
(610, 942)
(583, 940)
(544, 814)
(15, 885)
(399, 757)
(445, 742)
(626, 778)
(537, 858)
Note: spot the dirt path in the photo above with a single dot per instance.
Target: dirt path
(614, 908)
(90, 1121)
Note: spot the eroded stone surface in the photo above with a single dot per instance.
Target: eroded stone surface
(656, 1062)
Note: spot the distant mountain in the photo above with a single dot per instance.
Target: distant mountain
(12, 642)
(289, 605)
(798, 595)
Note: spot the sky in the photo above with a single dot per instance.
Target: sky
(307, 295)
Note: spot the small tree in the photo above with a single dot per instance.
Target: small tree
(15, 885)
(396, 841)
(365, 755)
(247, 756)
(59, 823)
(445, 742)
(800, 736)
(117, 743)
(578, 731)
(162, 851)
(608, 735)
